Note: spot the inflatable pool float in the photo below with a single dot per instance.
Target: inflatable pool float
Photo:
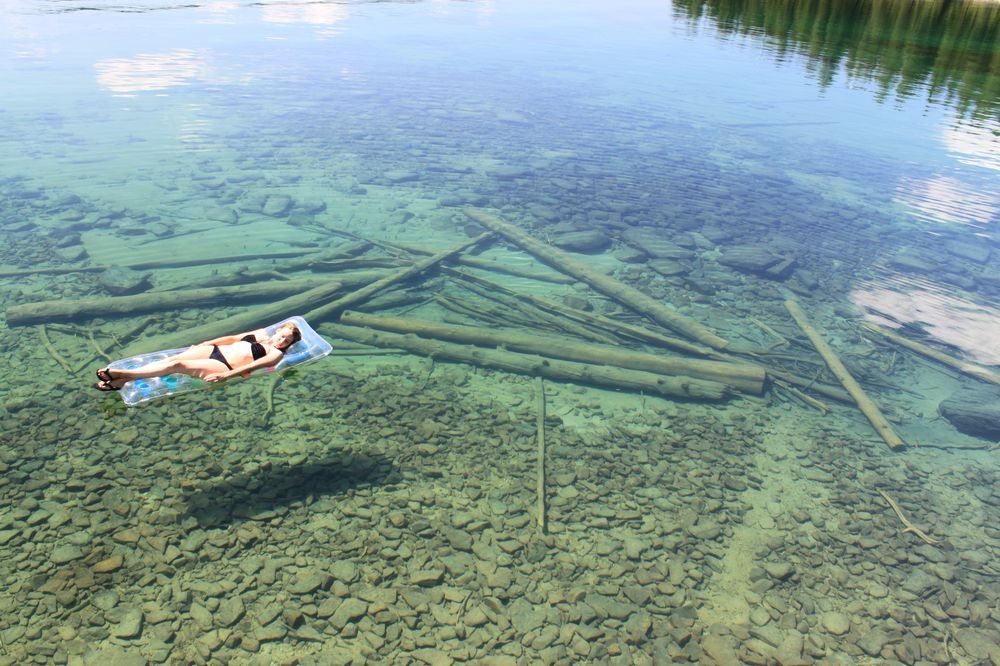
(311, 347)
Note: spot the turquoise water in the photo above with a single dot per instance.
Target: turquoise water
(721, 157)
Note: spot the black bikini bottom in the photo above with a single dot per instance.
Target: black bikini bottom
(217, 355)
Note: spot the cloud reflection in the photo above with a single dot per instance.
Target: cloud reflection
(311, 14)
(947, 199)
(944, 315)
(944, 199)
(974, 144)
(150, 71)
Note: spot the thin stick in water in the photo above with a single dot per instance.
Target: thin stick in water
(907, 525)
(541, 456)
(44, 337)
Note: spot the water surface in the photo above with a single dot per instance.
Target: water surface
(855, 144)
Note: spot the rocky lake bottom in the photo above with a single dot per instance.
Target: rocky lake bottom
(386, 515)
(382, 508)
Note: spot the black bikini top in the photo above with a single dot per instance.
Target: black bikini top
(256, 348)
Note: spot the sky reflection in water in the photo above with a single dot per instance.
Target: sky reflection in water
(817, 94)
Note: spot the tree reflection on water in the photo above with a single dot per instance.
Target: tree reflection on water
(951, 50)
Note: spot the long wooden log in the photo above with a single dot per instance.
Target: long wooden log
(596, 321)
(44, 312)
(865, 404)
(354, 264)
(744, 377)
(493, 265)
(537, 366)
(252, 319)
(641, 334)
(965, 367)
(487, 315)
(155, 265)
(336, 307)
(605, 284)
(532, 311)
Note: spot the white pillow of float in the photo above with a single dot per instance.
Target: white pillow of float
(311, 347)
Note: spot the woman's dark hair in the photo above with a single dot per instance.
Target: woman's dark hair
(296, 336)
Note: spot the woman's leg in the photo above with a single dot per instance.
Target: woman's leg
(193, 361)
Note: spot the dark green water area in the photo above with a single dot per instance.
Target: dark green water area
(720, 388)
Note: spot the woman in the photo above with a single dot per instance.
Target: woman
(213, 360)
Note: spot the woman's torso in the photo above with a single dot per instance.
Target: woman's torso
(241, 353)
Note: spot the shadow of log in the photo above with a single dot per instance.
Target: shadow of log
(269, 491)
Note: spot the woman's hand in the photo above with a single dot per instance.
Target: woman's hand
(217, 377)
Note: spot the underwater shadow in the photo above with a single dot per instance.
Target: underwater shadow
(267, 492)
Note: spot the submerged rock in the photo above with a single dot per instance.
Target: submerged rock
(655, 242)
(71, 253)
(64, 554)
(630, 255)
(508, 172)
(974, 411)
(758, 260)
(836, 623)
(130, 625)
(222, 214)
(582, 241)
(668, 267)
(119, 281)
(397, 176)
(277, 205)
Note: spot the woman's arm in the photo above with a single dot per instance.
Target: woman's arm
(230, 339)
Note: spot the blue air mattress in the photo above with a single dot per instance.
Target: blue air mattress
(311, 347)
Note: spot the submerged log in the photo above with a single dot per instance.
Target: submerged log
(155, 265)
(607, 285)
(493, 265)
(363, 294)
(599, 323)
(43, 312)
(865, 404)
(532, 312)
(537, 366)
(335, 265)
(745, 377)
(826, 390)
(252, 319)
